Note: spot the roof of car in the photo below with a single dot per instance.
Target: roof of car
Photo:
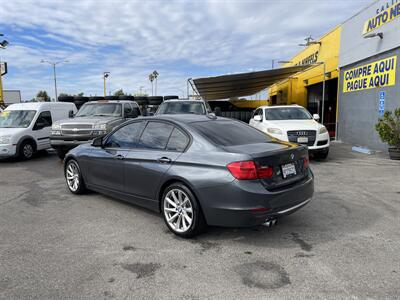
(184, 100)
(187, 118)
(112, 101)
(36, 105)
(279, 106)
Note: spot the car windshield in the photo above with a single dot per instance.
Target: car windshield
(100, 109)
(287, 113)
(181, 107)
(16, 118)
(230, 133)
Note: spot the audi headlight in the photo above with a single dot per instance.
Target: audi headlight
(274, 131)
(323, 130)
(5, 139)
(56, 127)
(100, 127)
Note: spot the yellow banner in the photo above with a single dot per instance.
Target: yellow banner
(382, 18)
(377, 74)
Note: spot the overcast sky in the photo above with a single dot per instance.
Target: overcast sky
(179, 39)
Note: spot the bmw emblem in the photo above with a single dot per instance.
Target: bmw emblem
(292, 156)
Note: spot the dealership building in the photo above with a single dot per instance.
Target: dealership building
(356, 65)
(349, 76)
(369, 72)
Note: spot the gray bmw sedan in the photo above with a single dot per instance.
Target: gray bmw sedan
(196, 170)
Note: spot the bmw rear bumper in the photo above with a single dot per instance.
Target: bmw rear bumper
(249, 203)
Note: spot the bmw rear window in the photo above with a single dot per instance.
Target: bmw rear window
(230, 133)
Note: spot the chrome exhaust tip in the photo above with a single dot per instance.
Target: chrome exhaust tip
(270, 222)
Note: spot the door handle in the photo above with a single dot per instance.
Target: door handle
(164, 160)
(119, 157)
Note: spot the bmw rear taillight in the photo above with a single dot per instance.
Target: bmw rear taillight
(306, 162)
(249, 170)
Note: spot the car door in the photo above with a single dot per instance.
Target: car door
(41, 130)
(106, 163)
(146, 165)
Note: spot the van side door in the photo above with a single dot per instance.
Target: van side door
(41, 130)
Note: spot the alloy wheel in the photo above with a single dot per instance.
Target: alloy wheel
(178, 210)
(72, 175)
(27, 150)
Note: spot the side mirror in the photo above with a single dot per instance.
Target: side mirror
(71, 114)
(97, 142)
(257, 118)
(316, 117)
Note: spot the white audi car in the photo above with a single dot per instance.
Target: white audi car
(293, 123)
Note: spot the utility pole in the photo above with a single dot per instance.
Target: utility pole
(54, 73)
(105, 76)
(3, 45)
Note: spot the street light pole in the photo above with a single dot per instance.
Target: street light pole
(3, 45)
(55, 81)
(54, 73)
(105, 76)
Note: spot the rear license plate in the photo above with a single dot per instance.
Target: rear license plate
(302, 139)
(288, 170)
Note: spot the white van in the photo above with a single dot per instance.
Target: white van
(26, 127)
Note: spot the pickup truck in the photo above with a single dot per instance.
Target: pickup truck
(94, 119)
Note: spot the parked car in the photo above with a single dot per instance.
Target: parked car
(173, 107)
(25, 127)
(195, 170)
(94, 119)
(293, 123)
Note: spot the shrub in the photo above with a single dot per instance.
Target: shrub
(388, 128)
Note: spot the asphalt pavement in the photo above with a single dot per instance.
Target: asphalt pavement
(344, 244)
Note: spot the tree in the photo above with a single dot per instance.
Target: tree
(80, 94)
(43, 96)
(119, 92)
(64, 95)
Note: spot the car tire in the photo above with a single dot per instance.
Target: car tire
(130, 98)
(26, 150)
(171, 97)
(155, 100)
(61, 153)
(96, 98)
(66, 98)
(186, 211)
(111, 97)
(141, 100)
(322, 154)
(73, 177)
(79, 103)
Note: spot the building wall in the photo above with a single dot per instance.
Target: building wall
(294, 89)
(354, 47)
(359, 105)
(359, 110)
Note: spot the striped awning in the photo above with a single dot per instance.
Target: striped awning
(243, 84)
